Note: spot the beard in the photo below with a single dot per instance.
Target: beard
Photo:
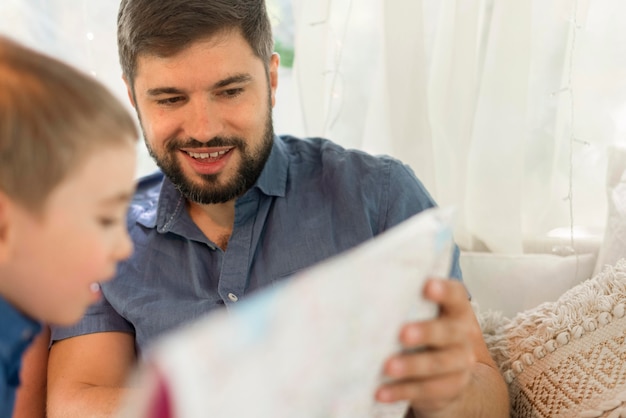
(209, 190)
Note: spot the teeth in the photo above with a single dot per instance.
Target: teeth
(206, 154)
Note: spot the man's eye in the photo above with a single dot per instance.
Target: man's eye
(170, 100)
(232, 92)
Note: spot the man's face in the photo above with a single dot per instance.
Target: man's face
(206, 115)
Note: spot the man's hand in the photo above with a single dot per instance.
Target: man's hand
(445, 368)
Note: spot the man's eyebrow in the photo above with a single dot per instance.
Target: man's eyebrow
(237, 78)
(163, 90)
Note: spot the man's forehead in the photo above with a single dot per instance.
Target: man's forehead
(224, 39)
(217, 53)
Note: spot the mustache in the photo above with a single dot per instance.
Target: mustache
(218, 141)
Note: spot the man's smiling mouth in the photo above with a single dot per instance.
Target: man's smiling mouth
(207, 155)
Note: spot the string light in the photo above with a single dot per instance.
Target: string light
(90, 38)
(337, 77)
(568, 88)
(575, 29)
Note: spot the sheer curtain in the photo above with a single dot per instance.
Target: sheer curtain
(83, 33)
(80, 32)
(505, 109)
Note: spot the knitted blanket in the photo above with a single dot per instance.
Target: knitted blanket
(566, 358)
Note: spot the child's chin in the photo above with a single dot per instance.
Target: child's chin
(69, 318)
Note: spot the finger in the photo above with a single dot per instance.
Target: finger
(429, 364)
(450, 295)
(427, 394)
(440, 332)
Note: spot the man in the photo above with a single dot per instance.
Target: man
(240, 208)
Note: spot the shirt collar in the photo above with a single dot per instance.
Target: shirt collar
(16, 332)
(273, 178)
(271, 182)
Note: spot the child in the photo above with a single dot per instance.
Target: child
(67, 168)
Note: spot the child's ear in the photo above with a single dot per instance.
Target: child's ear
(6, 229)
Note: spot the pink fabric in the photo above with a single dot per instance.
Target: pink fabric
(161, 406)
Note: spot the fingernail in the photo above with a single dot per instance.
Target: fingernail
(414, 334)
(437, 285)
(395, 367)
(383, 395)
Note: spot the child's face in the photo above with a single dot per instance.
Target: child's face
(59, 258)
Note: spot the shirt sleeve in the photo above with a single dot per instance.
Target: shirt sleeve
(100, 317)
(404, 196)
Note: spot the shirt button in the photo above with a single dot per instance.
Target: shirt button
(233, 297)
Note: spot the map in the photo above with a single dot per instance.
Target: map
(311, 347)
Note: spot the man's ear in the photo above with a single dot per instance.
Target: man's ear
(273, 73)
(6, 227)
(129, 91)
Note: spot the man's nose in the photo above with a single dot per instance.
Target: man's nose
(203, 120)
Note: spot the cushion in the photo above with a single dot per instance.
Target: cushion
(566, 358)
(509, 282)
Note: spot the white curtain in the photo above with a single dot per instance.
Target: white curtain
(79, 32)
(505, 109)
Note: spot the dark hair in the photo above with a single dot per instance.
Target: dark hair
(165, 27)
(52, 117)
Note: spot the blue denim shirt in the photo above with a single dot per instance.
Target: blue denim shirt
(16, 333)
(313, 200)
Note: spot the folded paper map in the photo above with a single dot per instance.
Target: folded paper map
(311, 347)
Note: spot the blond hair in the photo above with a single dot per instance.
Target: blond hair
(51, 117)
